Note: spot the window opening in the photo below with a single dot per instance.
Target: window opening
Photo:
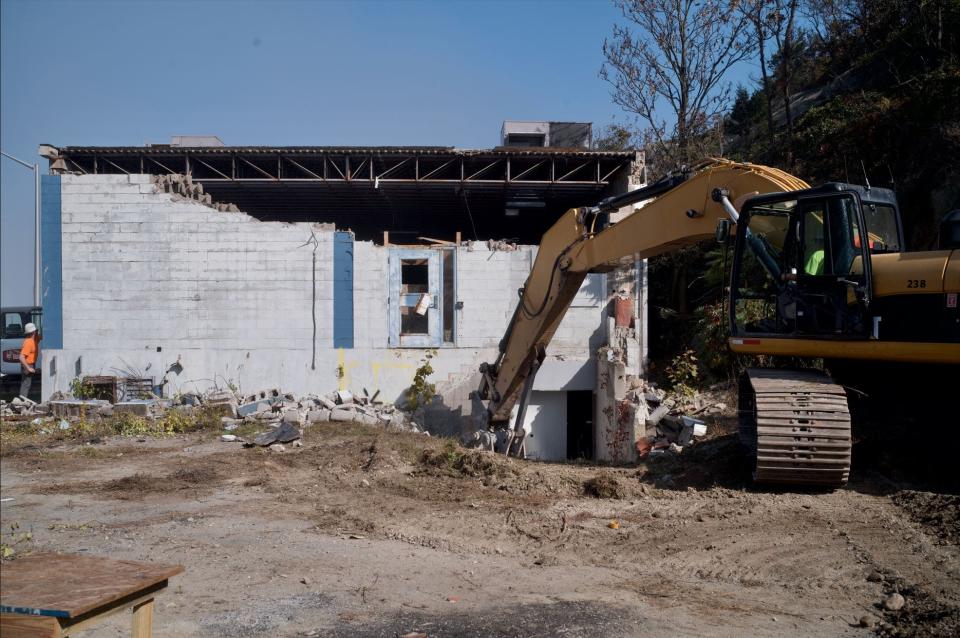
(415, 287)
(449, 296)
(13, 325)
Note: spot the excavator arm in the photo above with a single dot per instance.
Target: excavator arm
(684, 210)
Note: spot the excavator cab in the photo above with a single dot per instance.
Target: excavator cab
(802, 261)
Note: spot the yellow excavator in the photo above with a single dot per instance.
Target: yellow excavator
(818, 273)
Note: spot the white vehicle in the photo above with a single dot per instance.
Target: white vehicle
(12, 322)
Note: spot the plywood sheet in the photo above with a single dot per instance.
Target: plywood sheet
(68, 585)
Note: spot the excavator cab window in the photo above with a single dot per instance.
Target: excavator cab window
(761, 265)
(800, 268)
(883, 228)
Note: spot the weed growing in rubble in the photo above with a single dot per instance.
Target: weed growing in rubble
(130, 425)
(82, 388)
(421, 391)
(176, 422)
(683, 373)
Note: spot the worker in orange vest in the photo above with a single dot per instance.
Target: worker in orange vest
(28, 358)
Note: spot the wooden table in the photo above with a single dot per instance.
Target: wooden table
(53, 595)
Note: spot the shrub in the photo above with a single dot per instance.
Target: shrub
(421, 391)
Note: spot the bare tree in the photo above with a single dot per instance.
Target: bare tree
(757, 12)
(667, 65)
(783, 28)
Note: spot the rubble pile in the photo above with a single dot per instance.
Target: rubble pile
(671, 422)
(286, 415)
(22, 406)
(280, 417)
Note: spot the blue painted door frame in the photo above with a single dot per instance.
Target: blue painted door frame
(434, 336)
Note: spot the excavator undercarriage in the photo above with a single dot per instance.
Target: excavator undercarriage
(796, 425)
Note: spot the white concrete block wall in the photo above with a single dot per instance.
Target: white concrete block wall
(487, 284)
(142, 270)
(230, 298)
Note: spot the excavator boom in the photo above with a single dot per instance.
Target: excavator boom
(684, 210)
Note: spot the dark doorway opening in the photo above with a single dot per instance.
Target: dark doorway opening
(579, 424)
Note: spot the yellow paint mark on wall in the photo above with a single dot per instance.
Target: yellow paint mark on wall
(343, 369)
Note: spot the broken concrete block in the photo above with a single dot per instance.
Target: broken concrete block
(253, 407)
(292, 415)
(344, 397)
(75, 407)
(657, 415)
(228, 438)
(224, 399)
(366, 419)
(318, 416)
(138, 407)
(327, 403)
(340, 414)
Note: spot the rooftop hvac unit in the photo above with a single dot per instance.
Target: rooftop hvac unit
(546, 134)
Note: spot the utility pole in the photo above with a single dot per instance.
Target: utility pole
(36, 224)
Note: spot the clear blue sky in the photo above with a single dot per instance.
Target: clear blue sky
(298, 72)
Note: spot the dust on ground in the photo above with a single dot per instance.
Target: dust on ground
(363, 532)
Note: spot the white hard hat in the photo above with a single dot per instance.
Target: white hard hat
(29, 328)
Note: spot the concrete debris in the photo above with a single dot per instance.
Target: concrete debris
(183, 187)
(340, 414)
(506, 245)
(139, 407)
(318, 416)
(670, 423)
(76, 408)
(292, 416)
(224, 399)
(482, 439)
(285, 415)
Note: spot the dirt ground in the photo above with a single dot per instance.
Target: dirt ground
(361, 532)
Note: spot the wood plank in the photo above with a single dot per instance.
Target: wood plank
(20, 626)
(71, 626)
(67, 585)
(431, 240)
(143, 620)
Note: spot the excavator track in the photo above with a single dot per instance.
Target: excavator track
(796, 424)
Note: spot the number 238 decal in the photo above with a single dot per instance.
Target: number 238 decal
(916, 283)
